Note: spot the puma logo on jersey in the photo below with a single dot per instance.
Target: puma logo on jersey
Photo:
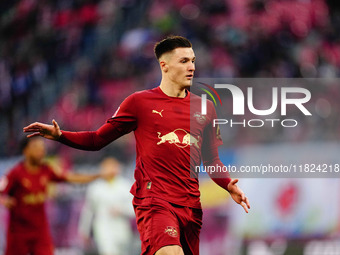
(160, 113)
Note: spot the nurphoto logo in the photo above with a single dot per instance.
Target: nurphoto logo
(281, 97)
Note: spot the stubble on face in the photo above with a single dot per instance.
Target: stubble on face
(179, 66)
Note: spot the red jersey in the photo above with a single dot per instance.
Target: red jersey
(172, 137)
(170, 133)
(30, 192)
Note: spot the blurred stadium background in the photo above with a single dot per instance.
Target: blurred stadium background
(76, 60)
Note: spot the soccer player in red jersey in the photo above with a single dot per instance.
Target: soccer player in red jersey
(24, 191)
(169, 146)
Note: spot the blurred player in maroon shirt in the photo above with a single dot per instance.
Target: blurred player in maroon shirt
(24, 191)
(169, 146)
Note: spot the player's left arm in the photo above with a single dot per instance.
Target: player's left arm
(211, 158)
(211, 141)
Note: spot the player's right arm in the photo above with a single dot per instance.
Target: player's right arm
(123, 122)
(85, 140)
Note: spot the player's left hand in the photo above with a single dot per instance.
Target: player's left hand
(238, 195)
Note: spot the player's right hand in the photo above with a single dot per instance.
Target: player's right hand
(47, 131)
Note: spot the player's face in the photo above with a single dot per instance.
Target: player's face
(35, 150)
(181, 66)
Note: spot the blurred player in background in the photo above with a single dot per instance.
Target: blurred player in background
(169, 146)
(24, 192)
(108, 206)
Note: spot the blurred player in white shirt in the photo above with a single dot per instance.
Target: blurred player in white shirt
(108, 207)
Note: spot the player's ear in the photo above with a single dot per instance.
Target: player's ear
(164, 66)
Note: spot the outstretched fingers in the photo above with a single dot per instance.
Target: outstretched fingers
(55, 124)
(244, 207)
(32, 130)
(245, 204)
(34, 127)
(241, 198)
(34, 134)
(234, 181)
(45, 130)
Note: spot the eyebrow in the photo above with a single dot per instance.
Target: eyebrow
(185, 58)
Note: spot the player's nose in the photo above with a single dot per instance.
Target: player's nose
(191, 67)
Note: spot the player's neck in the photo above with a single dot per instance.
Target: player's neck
(172, 90)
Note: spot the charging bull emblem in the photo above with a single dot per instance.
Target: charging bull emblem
(179, 137)
(170, 138)
(190, 140)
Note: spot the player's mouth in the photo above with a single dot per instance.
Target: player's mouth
(190, 76)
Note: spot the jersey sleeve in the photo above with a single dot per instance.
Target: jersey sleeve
(212, 135)
(122, 122)
(126, 112)
(211, 140)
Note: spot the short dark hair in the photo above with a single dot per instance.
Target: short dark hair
(170, 43)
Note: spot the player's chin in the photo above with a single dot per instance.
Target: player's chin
(188, 83)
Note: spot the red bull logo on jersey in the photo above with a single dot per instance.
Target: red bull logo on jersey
(179, 137)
